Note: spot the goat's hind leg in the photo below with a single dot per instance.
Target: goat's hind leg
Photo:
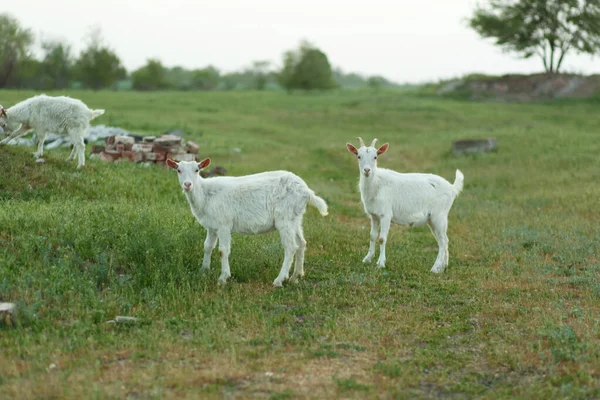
(288, 239)
(224, 250)
(299, 259)
(77, 134)
(439, 226)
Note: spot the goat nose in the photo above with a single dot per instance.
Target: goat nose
(367, 170)
(187, 184)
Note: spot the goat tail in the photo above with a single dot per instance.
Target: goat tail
(458, 182)
(96, 114)
(318, 203)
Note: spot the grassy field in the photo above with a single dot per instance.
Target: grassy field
(515, 315)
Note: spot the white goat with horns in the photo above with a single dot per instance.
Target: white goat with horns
(249, 204)
(407, 199)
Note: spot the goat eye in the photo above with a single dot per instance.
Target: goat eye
(375, 158)
(359, 157)
(197, 170)
(178, 171)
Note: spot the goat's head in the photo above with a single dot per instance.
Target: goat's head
(3, 119)
(188, 171)
(367, 156)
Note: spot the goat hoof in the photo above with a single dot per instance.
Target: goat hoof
(367, 259)
(204, 270)
(437, 270)
(278, 283)
(381, 265)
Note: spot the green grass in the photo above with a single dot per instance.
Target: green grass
(514, 316)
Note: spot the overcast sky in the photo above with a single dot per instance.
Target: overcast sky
(404, 40)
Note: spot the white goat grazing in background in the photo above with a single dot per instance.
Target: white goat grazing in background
(407, 199)
(249, 204)
(60, 115)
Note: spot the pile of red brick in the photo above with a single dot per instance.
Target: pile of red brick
(149, 149)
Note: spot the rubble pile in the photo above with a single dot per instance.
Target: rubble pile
(147, 149)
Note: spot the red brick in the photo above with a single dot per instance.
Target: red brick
(97, 149)
(150, 156)
(127, 146)
(109, 140)
(164, 149)
(192, 147)
(133, 156)
(110, 156)
(124, 140)
(142, 147)
(120, 148)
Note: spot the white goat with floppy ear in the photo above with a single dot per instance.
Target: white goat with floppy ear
(249, 204)
(407, 199)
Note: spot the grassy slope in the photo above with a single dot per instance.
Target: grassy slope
(516, 313)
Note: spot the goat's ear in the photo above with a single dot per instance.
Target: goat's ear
(383, 149)
(3, 112)
(351, 149)
(172, 164)
(204, 163)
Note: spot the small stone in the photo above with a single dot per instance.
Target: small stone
(7, 308)
(470, 146)
(40, 161)
(125, 320)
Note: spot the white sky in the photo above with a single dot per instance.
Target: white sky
(404, 40)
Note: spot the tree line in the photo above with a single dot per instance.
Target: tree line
(548, 29)
(98, 66)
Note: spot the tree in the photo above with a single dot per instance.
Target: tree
(206, 78)
(15, 45)
(376, 82)
(57, 64)
(98, 66)
(306, 68)
(149, 77)
(547, 28)
(259, 71)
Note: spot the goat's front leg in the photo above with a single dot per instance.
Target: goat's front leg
(386, 220)
(209, 245)
(224, 249)
(40, 147)
(374, 233)
(15, 135)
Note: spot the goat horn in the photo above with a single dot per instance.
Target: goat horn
(362, 144)
(373, 142)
